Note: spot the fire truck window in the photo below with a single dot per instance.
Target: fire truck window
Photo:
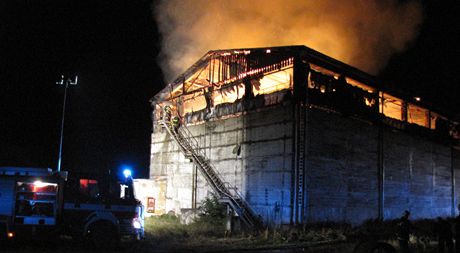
(114, 190)
(89, 188)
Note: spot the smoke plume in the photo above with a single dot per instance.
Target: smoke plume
(362, 33)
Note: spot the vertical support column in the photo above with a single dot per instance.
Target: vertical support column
(380, 174)
(299, 151)
(248, 94)
(452, 174)
(294, 211)
(194, 185)
(299, 196)
(404, 111)
(154, 118)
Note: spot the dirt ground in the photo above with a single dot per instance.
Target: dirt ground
(157, 246)
(213, 245)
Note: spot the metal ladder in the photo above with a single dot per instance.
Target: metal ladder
(300, 153)
(191, 150)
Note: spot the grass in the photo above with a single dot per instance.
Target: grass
(166, 231)
(206, 233)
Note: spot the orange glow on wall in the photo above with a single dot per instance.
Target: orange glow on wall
(229, 95)
(194, 103)
(360, 85)
(225, 74)
(391, 107)
(273, 82)
(417, 115)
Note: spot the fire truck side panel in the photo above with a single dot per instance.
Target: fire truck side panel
(7, 196)
(82, 216)
(28, 201)
(36, 201)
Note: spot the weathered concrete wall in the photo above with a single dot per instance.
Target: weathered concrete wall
(417, 176)
(268, 159)
(261, 173)
(342, 171)
(456, 179)
(342, 167)
(169, 167)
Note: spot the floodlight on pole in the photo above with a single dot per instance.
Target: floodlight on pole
(65, 81)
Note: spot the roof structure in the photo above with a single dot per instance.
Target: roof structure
(227, 70)
(198, 75)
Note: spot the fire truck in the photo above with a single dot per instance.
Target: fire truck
(37, 201)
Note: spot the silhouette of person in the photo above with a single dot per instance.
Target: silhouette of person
(404, 230)
(457, 231)
(444, 233)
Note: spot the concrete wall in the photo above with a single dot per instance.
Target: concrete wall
(341, 168)
(343, 158)
(343, 164)
(417, 176)
(261, 173)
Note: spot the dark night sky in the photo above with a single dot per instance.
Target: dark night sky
(430, 68)
(113, 45)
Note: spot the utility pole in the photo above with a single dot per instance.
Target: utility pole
(65, 81)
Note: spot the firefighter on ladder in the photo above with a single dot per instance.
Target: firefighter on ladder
(166, 114)
(175, 122)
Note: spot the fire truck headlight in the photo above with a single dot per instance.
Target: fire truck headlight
(137, 224)
(39, 184)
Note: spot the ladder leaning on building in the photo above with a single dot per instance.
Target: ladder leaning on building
(191, 150)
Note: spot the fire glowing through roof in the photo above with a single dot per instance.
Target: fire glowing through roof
(360, 33)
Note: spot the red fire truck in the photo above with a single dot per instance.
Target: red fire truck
(37, 201)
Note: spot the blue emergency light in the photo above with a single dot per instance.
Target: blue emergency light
(127, 173)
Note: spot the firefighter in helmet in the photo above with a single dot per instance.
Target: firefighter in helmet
(175, 122)
(167, 114)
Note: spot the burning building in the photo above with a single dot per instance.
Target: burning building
(288, 135)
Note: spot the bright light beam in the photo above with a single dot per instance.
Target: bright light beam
(127, 173)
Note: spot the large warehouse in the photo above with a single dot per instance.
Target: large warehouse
(287, 135)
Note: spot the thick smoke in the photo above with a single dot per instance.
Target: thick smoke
(362, 33)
